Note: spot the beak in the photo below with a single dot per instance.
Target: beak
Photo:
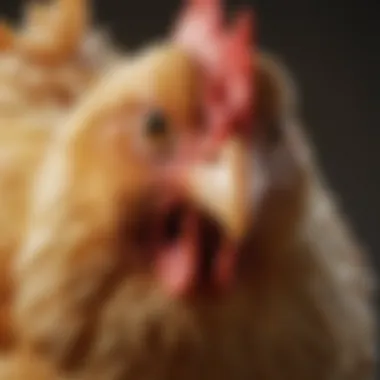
(221, 188)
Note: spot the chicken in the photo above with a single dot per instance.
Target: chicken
(52, 58)
(45, 67)
(176, 226)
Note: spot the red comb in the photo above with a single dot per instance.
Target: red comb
(225, 55)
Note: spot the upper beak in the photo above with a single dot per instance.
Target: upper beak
(221, 187)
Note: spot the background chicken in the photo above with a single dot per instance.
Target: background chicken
(45, 66)
(51, 58)
(165, 241)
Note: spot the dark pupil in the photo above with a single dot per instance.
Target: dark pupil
(156, 124)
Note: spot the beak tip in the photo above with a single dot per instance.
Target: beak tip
(221, 189)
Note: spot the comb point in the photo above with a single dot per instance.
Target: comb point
(243, 27)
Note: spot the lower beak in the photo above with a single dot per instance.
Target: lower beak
(221, 188)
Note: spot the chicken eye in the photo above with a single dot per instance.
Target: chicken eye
(156, 124)
(157, 134)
